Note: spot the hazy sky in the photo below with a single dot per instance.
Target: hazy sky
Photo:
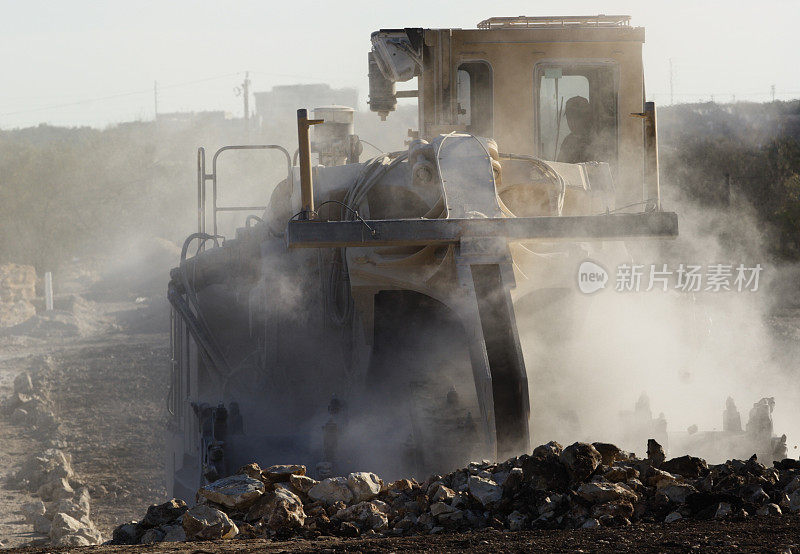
(62, 60)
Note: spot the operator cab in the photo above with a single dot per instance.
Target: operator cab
(557, 88)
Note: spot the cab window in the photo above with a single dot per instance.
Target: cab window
(576, 109)
(474, 97)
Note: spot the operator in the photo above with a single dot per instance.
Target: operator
(577, 145)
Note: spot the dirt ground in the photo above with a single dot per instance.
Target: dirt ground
(752, 535)
(109, 396)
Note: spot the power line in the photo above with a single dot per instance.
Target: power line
(79, 102)
(119, 95)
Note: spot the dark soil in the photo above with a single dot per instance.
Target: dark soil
(755, 534)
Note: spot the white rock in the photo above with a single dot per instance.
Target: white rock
(55, 490)
(331, 490)
(660, 478)
(723, 509)
(252, 470)
(672, 516)
(174, 533)
(500, 477)
(286, 487)
(163, 514)
(56, 464)
(757, 496)
(19, 416)
(90, 532)
(152, 536)
(769, 510)
(606, 492)
(590, 523)
(451, 517)
(794, 502)
(236, 491)
(793, 485)
(677, 492)
(67, 506)
(439, 508)
(206, 523)
(548, 506)
(372, 515)
(87, 523)
(41, 525)
(72, 540)
(83, 499)
(443, 494)
(66, 531)
(282, 473)
(32, 510)
(279, 509)
(485, 491)
(364, 485)
(23, 383)
(64, 524)
(127, 533)
(460, 500)
(302, 483)
(513, 479)
(406, 523)
(516, 521)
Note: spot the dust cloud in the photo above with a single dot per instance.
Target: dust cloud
(678, 355)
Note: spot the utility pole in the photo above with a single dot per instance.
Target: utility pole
(772, 90)
(671, 84)
(155, 98)
(246, 97)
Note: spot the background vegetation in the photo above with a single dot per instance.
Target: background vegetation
(82, 192)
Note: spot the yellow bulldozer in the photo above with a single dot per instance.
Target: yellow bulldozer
(369, 315)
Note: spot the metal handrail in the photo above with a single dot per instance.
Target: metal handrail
(202, 177)
(201, 190)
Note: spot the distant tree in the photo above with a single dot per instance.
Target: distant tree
(784, 162)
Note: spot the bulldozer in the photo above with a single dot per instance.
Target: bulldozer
(369, 315)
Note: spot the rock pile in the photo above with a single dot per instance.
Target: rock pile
(61, 513)
(580, 486)
(72, 316)
(23, 314)
(17, 282)
(17, 289)
(30, 404)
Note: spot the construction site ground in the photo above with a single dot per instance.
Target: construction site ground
(761, 534)
(108, 395)
(108, 390)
